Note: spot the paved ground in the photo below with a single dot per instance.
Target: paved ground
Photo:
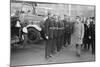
(34, 54)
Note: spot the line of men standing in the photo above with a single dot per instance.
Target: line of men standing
(58, 34)
(56, 30)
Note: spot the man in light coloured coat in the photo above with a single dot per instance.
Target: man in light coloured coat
(79, 34)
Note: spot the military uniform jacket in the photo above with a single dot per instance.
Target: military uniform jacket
(60, 28)
(68, 26)
(49, 28)
(56, 29)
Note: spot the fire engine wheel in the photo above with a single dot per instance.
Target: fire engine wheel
(33, 35)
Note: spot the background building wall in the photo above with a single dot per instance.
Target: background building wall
(59, 9)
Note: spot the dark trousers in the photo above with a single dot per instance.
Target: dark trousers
(85, 43)
(67, 38)
(48, 48)
(93, 46)
(89, 43)
(53, 46)
(60, 43)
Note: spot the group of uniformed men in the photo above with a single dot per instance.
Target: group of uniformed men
(58, 33)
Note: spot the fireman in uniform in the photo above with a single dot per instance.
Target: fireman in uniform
(54, 30)
(60, 34)
(55, 36)
(67, 34)
(49, 31)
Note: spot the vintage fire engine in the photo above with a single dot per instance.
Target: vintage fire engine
(31, 25)
(33, 28)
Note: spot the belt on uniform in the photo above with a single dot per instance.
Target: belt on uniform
(53, 28)
(56, 28)
(61, 28)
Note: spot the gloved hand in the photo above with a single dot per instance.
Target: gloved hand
(89, 37)
(46, 37)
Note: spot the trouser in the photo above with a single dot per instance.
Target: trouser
(78, 49)
(65, 38)
(53, 46)
(89, 43)
(48, 48)
(93, 46)
(68, 37)
(60, 43)
(85, 43)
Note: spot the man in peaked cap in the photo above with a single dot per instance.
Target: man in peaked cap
(49, 31)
